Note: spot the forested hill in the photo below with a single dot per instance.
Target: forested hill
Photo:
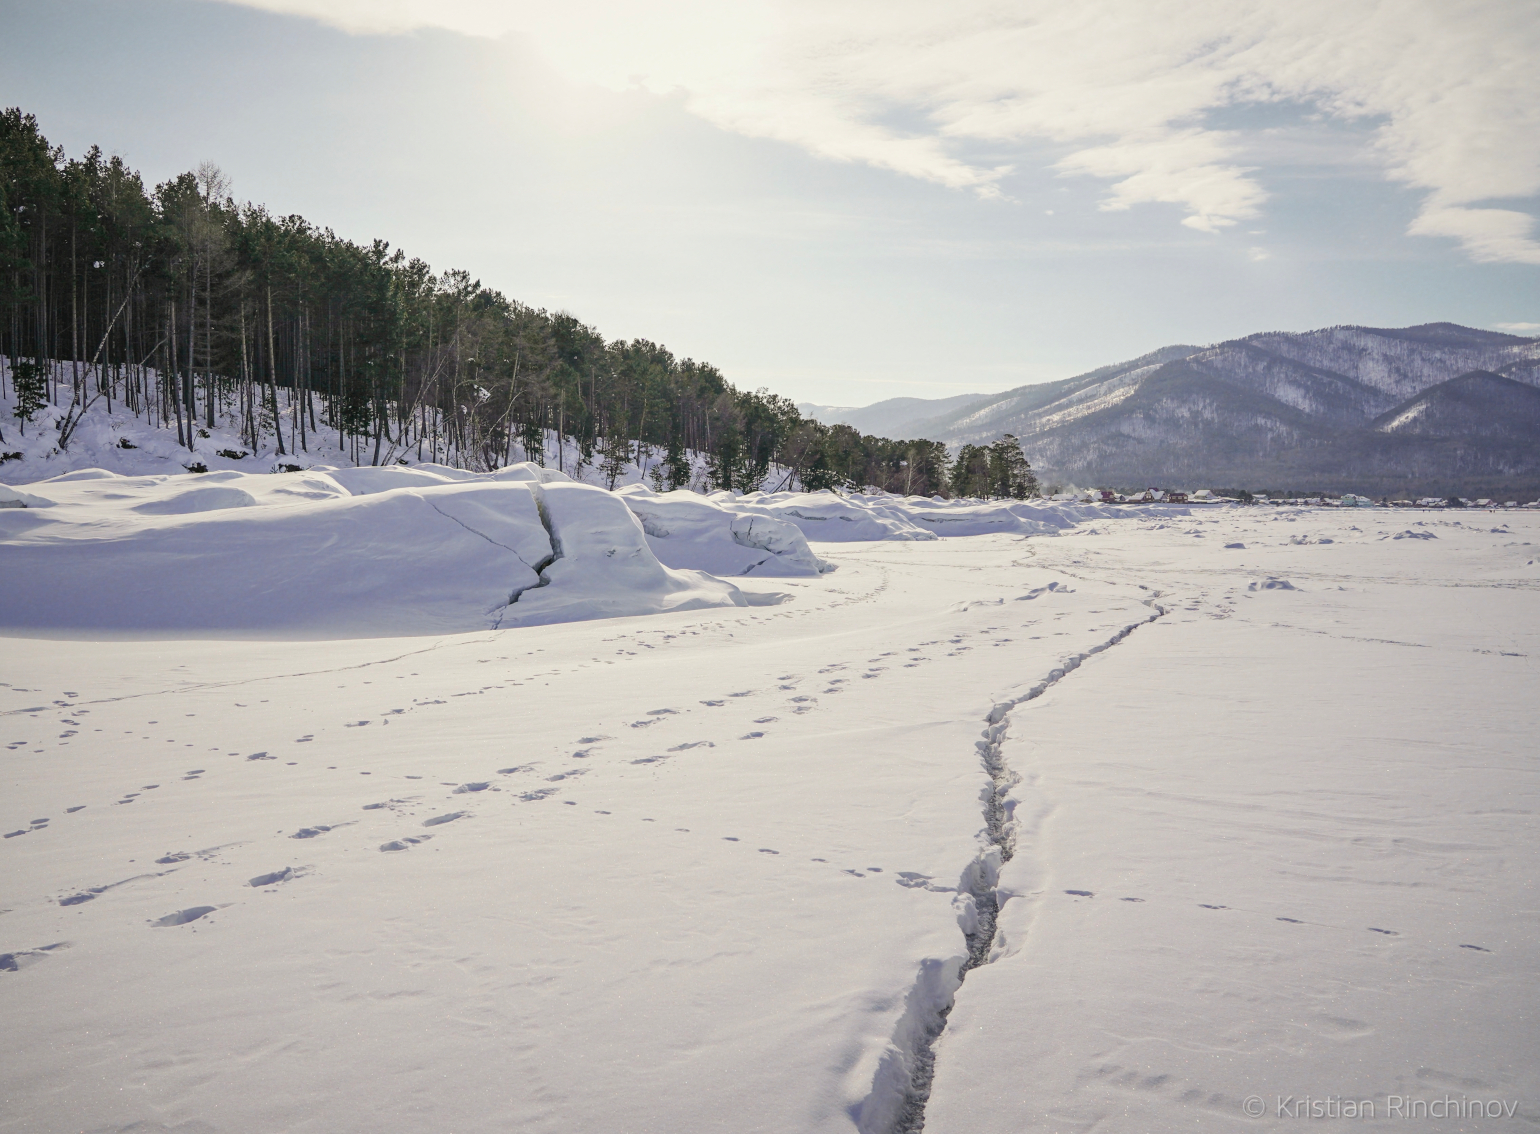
(194, 307)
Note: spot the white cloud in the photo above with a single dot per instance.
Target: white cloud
(1517, 328)
(1124, 86)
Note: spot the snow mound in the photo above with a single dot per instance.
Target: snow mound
(826, 517)
(830, 518)
(338, 553)
(210, 499)
(687, 530)
(1272, 584)
(366, 480)
(604, 566)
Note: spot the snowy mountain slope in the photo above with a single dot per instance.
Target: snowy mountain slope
(723, 869)
(893, 417)
(1478, 404)
(1270, 410)
(991, 417)
(1400, 362)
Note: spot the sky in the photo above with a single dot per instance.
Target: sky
(844, 200)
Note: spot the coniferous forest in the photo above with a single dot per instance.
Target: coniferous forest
(179, 304)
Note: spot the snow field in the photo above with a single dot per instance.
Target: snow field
(716, 868)
(761, 856)
(1294, 854)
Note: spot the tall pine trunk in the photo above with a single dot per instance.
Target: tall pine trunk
(272, 366)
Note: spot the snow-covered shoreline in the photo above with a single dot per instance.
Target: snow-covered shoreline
(391, 550)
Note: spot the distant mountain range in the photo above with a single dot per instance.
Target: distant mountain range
(896, 417)
(1432, 409)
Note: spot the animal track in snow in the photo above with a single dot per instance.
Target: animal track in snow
(448, 817)
(15, 962)
(1081, 893)
(464, 788)
(182, 917)
(274, 878)
(310, 832)
(405, 843)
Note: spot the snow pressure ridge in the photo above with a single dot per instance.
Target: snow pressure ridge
(902, 1085)
(544, 513)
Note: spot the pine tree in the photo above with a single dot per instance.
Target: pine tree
(30, 381)
(676, 464)
(970, 471)
(615, 456)
(1010, 474)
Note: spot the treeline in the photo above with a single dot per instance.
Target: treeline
(996, 470)
(181, 305)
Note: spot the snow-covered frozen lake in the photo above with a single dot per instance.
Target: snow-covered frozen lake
(1260, 819)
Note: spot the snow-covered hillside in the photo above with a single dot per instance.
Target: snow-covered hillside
(110, 436)
(1281, 411)
(1132, 829)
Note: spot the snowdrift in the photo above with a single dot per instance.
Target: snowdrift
(329, 553)
(686, 529)
(826, 517)
(369, 552)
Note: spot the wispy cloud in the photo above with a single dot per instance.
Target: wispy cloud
(1127, 87)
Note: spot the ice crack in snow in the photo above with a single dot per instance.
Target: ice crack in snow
(537, 568)
(916, 1040)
